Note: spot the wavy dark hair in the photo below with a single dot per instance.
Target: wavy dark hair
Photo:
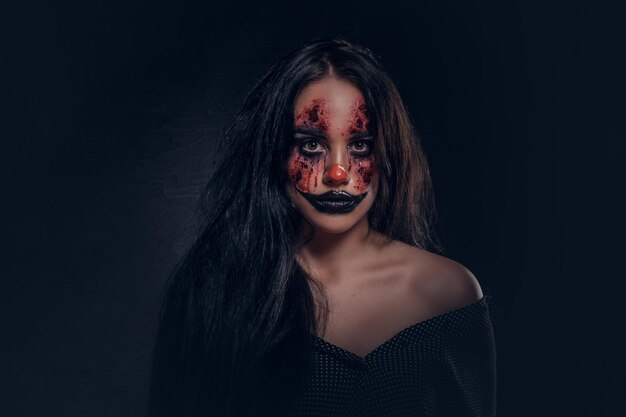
(238, 311)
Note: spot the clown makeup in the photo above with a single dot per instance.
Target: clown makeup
(332, 161)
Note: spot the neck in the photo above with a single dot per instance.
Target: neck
(327, 252)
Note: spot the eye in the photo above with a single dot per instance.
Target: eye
(361, 148)
(311, 147)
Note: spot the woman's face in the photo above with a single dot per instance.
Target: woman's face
(332, 172)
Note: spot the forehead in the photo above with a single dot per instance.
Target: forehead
(331, 92)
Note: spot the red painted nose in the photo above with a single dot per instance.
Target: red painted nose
(337, 173)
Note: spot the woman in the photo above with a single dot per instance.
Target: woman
(312, 289)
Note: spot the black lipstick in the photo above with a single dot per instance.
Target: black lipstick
(334, 202)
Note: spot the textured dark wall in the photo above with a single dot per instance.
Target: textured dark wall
(114, 112)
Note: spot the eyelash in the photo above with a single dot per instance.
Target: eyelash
(368, 148)
(309, 152)
(358, 154)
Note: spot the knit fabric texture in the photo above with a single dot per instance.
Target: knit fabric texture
(444, 366)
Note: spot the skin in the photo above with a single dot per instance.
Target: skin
(376, 286)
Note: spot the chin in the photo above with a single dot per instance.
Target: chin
(332, 224)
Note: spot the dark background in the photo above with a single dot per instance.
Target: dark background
(113, 111)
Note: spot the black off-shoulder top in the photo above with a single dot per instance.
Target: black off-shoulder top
(444, 366)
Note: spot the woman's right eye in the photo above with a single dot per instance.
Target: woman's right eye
(310, 147)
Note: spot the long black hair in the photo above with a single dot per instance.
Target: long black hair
(239, 310)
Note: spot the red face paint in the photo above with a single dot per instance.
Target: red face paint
(302, 167)
(314, 115)
(364, 166)
(364, 173)
(359, 120)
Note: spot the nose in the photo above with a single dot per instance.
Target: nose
(336, 174)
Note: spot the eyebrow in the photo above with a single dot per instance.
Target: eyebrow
(309, 131)
(361, 135)
(304, 130)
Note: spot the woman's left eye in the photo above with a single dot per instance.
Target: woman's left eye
(361, 148)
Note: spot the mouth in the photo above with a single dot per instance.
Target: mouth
(334, 202)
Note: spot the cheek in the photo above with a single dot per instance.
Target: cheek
(363, 171)
(304, 172)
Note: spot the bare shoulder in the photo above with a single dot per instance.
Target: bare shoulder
(437, 284)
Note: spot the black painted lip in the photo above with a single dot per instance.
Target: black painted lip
(334, 202)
